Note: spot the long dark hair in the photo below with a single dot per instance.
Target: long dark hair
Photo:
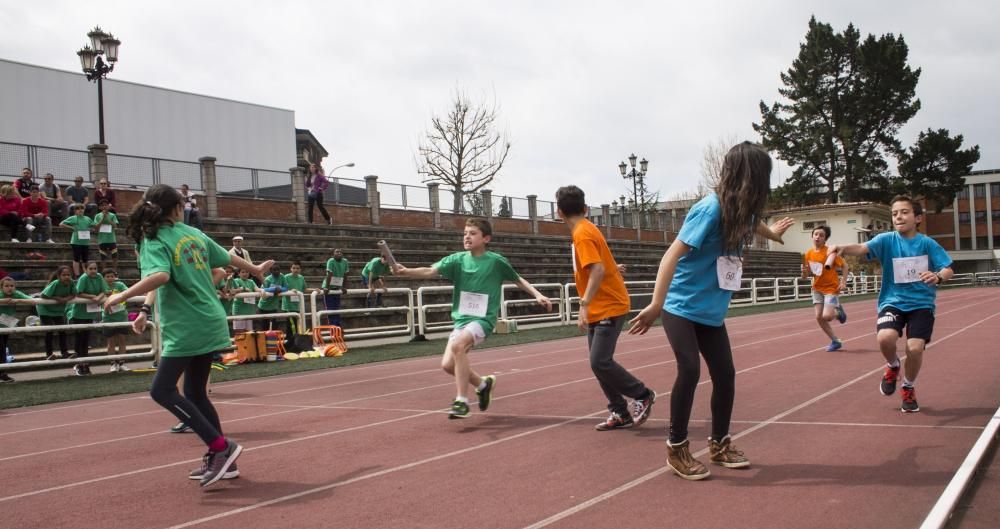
(152, 211)
(55, 275)
(743, 188)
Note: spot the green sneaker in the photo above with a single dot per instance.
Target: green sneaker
(486, 394)
(459, 410)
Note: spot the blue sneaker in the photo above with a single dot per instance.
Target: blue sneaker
(834, 345)
(841, 315)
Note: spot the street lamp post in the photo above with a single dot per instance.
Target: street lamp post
(92, 59)
(637, 177)
(336, 182)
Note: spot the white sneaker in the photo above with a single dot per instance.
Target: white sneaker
(114, 367)
(14, 240)
(122, 367)
(50, 241)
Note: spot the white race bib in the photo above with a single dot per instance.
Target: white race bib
(8, 321)
(117, 308)
(83, 235)
(105, 228)
(730, 271)
(250, 300)
(473, 304)
(816, 268)
(908, 269)
(336, 282)
(93, 307)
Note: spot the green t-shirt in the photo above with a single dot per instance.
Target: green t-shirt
(271, 302)
(10, 310)
(93, 286)
(244, 306)
(106, 237)
(55, 289)
(81, 225)
(293, 282)
(337, 268)
(225, 284)
(191, 318)
(475, 277)
(375, 269)
(122, 313)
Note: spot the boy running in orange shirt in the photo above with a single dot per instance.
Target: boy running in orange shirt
(604, 307)
(825, 284)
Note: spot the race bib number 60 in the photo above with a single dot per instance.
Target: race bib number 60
(908, 269)
(473, 304)
(730, 271)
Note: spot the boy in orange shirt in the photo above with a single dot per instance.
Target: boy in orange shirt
(826, 285)
(604, 307)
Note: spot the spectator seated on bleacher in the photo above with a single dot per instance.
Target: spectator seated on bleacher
(35, 215)
(10, 210)
(58, 207)
(81, 195)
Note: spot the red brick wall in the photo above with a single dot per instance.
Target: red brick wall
(415, 219)
(940, 223)
(651, 236)
(622, 234)
(255, 208)
(552, 228)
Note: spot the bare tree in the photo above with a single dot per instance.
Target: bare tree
(463, 149)
(711, 161)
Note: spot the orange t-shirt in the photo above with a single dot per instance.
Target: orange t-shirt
(589, 247)
(826, 281)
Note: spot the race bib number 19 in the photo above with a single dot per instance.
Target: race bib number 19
(473, 304)
(908, 269)
(730, 271)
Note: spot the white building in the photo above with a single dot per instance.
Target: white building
(849, 223)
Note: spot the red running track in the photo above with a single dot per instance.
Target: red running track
(370, 446)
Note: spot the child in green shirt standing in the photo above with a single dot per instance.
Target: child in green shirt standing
(107, 242)
(478, 276)
(9, 296)
(80, 240)
(274, 284)
(61, 289)
(117, 314)
(91, 287)
(295, 282)
(333, 284)
(372, 272)
(245, 306)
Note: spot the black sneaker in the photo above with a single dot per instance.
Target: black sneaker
(486, 394)
(220, 462)
(52, 356)
(79, 371)
(4, 377)
(459, 410)
(888, 385)
(199, 473)
(909, 401)
(615, 421)
(641, 408)
(180, 428)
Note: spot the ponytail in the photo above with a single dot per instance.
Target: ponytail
(153, 211)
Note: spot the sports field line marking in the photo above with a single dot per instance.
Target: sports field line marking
(662, 470)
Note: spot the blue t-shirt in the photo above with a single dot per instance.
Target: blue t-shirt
(906, 296)
(694, 293)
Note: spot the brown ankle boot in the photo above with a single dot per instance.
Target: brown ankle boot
(680, 460)
(725, 454)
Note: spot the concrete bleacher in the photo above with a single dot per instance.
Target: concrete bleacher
(538, 258)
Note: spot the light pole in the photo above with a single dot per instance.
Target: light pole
(638, 182)
(336, 182)
(92, 60)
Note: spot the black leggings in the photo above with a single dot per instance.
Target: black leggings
(193, 408)
(55, 320)
(13, 223)
(81, 338)
(687, 338)
(316, 199)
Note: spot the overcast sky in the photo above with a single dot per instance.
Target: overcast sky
(580, 85)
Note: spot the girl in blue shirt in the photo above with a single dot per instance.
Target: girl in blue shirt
(696, 279)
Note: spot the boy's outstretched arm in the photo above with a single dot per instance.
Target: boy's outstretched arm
(524, 285)
(848, 249)
(423, 272)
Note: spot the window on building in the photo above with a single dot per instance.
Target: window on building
(980, 217)
(812, 225)
(995, 189)
(964, 243)
(996, 241)
(964, 193)
(964, 217)
(996, 215)
(979, 190)
(982, 243)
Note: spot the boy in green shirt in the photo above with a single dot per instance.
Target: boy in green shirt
(245, 306)
(60, 289)
(274, 284)
(295, 282)
(107, 243)
(372, 272)
(118, 314)
(80, 241)
(333, 284)
(478, 276)
(9, 296)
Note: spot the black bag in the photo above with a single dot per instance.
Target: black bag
(300, 342)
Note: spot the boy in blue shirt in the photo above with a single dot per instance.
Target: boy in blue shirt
(913, 265)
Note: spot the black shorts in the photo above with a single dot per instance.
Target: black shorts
(108, 249)
(81, 253)
(919, 323)
(115, 331)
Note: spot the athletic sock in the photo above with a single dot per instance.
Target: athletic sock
(462, 399)
(894, 364)
(907, 383)
(218, 445)
(482, 385)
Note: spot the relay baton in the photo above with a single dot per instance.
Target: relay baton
(829, 260)
(387, 254)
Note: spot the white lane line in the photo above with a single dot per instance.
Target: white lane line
(662, 470)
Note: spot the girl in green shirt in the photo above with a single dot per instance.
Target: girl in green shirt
(80, 241)
(62, 289)
(176, 262)
(91, 287)
(9, 296)
(246, 306)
